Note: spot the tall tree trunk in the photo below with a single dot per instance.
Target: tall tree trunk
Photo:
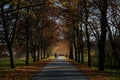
(44, 53)
(81, 35)
(38, 54)
(27, 44)
(48, 53)
(87, 34)
(27, 52)
(41, 53)
(34, 53)
(71, 51)
(44, 50)
(82, 53)
(79, 53)
(81, 43)
(101, 44)
(88, 46)
(78, 43)
(101, 56)
(75, 44)
(89, 56)
(75, 51)
(12, 65)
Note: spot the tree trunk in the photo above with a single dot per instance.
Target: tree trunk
(101, 44)
(71, 51)
(87, 32)
(44, 50)
(79, 54)
(27, 45)
(48, 53)
(38, 56)
(81, 45)
(78, 42)
(75, 51)
(44, 56)
(41, 53)
(81, 37)
(12, 65)
(88, 43)
(34, 53)
(101, 56)
(82, 54)
(9, 44)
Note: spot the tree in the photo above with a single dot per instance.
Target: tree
(113, 29)
(101, 44)
(9, 28)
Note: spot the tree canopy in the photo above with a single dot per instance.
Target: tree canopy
(84, 26)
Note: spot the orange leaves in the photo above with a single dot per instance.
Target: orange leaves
(60, 48)
(91, 73)
(23, 72)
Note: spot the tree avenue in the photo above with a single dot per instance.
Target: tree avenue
(87, 30)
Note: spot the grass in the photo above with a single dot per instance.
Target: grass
(95, 74)
(111, 73)
(5, 62)
(91, 73)
(21, 72)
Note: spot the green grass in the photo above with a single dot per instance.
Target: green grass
(113, 73)
(5, 62)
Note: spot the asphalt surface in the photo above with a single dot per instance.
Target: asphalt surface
(60, 69)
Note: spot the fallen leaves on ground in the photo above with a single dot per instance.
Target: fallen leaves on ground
(23, 72)
(91, 73)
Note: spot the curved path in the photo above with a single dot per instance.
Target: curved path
(59, 69)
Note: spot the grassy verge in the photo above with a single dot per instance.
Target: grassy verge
(112, 72)
(94, 74)
(4, 62)
(21, 72)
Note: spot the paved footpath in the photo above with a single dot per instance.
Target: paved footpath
(59, 69)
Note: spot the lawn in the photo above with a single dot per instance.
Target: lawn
(94, 74)
(21, 72)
